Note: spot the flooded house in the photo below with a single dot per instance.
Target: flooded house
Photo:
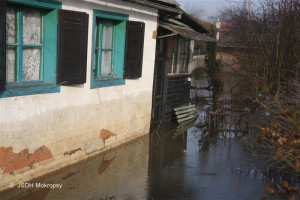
(77, 77)
(176, 36)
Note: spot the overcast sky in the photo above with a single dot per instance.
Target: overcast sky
(210, 6)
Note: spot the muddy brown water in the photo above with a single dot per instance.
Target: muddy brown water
(156, 166)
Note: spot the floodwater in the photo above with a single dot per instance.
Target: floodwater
(194, 165)
(154, 167)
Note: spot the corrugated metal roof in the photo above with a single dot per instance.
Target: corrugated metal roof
(188, 32)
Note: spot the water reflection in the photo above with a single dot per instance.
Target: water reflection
(117, 174)
(158, 167)
(218, 168)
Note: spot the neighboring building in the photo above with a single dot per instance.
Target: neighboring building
(227, 49)
(76, 77)
(176, 34)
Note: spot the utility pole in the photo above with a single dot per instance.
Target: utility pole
(249, 8)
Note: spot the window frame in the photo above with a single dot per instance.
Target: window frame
(118, 52)
(100, 50)
(177, 56)
(48, 46)
(19, 47)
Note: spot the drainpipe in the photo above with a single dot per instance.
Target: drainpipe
(157, 6)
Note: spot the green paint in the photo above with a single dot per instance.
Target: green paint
(110, 15)
(47, 83)
(118, 49)
(50, 50)
(48, 4)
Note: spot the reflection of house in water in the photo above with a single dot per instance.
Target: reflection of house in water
(117, 174)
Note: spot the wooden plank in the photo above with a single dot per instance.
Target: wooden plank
(188, 110)
(182, 112)
(186, 114)
(185, 126)
(185, 111)
(185, 119)
(184, 107)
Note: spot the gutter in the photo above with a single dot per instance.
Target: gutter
(157, 6)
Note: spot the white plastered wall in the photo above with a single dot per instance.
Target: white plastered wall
(73, 118)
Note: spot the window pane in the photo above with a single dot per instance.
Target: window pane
(96, 34)
(184, 51)
(31, 64)
(107, 38)
(183, 46)
(31, 26)
(10, 64)
(10, 25)
(106, 63)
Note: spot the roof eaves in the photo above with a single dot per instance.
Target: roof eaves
(187, 32)
(158, 6)
(195, 24)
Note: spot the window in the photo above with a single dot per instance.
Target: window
(108, 49)
(184, 50)
(24, 44)
(30, 48)
(180, 52)
(104, 48)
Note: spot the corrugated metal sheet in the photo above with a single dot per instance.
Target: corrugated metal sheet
(188, 32)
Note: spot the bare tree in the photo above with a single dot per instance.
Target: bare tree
(270, 39)
(269, 55)
(194, 8)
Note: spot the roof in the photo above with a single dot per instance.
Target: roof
(170, 6)
(170, 2)
(187, 32)
(194, 23)
(174, 19)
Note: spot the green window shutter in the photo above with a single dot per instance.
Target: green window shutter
(2, 43)
(134, 48)
(72, 47)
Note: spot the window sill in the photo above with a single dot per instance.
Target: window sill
(107, 82)
(28, 89)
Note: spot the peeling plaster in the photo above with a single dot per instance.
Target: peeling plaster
(68, 153)
(105, 134)
(10, 161)
(94, 144)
